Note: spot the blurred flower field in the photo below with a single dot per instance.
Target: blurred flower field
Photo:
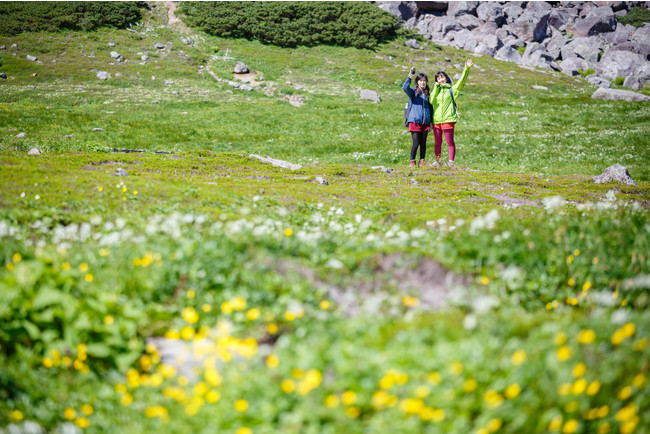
(88, 311)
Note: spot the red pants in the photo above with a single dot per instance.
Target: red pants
(449, 137)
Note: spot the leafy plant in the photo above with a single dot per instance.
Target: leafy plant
(290, 24)
(19, 17)
(619, 81)
(586, 72)
(637, 17)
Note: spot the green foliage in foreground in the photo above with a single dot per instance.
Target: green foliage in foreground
(637, 16)
(289, 24)
(19, 17)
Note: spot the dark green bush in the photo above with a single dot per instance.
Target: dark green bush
(289, 24)
(637, 17)
(19, 17)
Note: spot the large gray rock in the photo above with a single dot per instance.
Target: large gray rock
(598, 20)
(619, 95)
(491, 12)
(642, 34)
(370, 94)
(573, 64)
(413, 44)
(465, 40)
(34, 151)
(599, 81)
(618, 36)
(274, 162)
(456, 9)
(632, 83)
(449, 24)
(619, 64)
(589, 48)
(558, 18)
(484, 49)
(512, 11)
(508, 54)
(159, 46)
(536, 55)
(554, 46)
(241, 68)
(539, 6)
(402, 10)
(103, 75)
(532, 26)
(615, 173)
(21, 135)
(32, 58)
(635, 47)
(470, 22)
(115, 55)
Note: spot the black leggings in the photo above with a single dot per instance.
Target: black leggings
(419, 140)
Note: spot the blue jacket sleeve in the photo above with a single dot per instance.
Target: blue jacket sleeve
(407, 88)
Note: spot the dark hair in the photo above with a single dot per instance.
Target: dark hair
(419, 77)
(443, 73)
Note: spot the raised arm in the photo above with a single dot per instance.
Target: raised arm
(407, 88)
(458, 86)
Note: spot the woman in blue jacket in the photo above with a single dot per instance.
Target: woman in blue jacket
(420, 111)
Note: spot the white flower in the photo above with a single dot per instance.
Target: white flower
(470, 322)
(620, 316)
(611, 196)
(484, 303)
(96, 220)
(550, 203)
(334, 263)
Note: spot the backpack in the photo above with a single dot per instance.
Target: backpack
(407, 110)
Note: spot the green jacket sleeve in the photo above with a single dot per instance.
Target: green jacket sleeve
(460, 84)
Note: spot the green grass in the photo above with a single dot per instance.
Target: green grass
(355, 275)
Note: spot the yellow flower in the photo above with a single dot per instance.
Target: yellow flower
(513, 391)
(241, 405)
(560, 338)
(386, 382)
(352, 412)
(244, 430)
(16, 415)
(434, 377)
(206, 308)
(289, 316)
(586, 286)
(190, 315)
(82, 422)
(332, 401)
(579, 386)
(626, 413)
(325, 304)
(100, 188)
(187, 333)
(494, 424)
(586, 336)
(226, 307)
(47, 362)
(518, 357)
(272, 328)
(555, 424)
(409, 301)
(602, 411)
(469, 385)
(253, 314)
(411, 406)
(628, 329)
(570, 426)
(630, 425)
(212, 396)
(438, 415)
(638, 381)
(579, 370)
(135, 192)
(422, 391)
(272, 361)
(563, 353)
(625, 393)
(69, 413)
(288, 386)
(493, 399)
(456, 368)
(65, 266)
(83, 267)
(569, 259)
(485, 280)
(604, 428)
(593, 388)
(349, 397)
(288, 232)
(618, 337)
(576, 252)
(87, 409)
(109, 320)
(238, 303)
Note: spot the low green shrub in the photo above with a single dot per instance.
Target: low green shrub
(619, 81)
(586, 72)
(20, 17)
(289, 24)
(637, 17)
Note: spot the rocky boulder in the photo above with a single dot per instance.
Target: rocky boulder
(598, 20)
(241, 68)
(615, 173)
(456, 9)
(369, 94)
(588, 48)
(619, 64)
(619, 95)
(508, 54)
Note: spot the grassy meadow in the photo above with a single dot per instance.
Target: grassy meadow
(209, 292)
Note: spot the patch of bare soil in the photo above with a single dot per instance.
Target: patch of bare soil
(394, 273)
(503, 197)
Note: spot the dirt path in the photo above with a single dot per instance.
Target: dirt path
(174, 21)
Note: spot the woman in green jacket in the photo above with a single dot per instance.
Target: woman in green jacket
(445, 114)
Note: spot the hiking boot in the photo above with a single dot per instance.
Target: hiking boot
(451, 164)
(422, 163)
(412, 164)
(436, 163)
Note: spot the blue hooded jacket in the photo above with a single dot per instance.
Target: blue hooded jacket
(421, 109)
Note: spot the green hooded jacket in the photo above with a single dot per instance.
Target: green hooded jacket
(443, 108)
